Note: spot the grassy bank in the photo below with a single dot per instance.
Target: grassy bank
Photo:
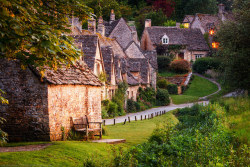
(79, 153)
(199, 87)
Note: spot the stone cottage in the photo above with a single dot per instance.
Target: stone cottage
(207, 23)
(191, 41)
(40, 108)
(119, 48)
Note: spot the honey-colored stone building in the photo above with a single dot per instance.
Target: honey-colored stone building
(41, 107)
(191, 41)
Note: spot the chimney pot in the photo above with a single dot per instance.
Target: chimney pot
(221, 8)
(112, 16)
(147, 23)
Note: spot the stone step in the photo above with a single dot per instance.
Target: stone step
(109, 141)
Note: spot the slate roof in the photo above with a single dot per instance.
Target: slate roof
(107, 54)
(192, 38)
(207, 19)
(78, 74)
(152, 57)
(88, 46)
(188, 19)
(174, 34)
(131, 80)
(110, 27)
(142, 68)
(133, 50)
(195, 39)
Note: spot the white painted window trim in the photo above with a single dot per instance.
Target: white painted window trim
(165, 39)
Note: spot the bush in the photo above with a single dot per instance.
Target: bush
(113, 109)
(162, 97)
(131, 106)
(172, 89)
(162, 83)
(180, 66)
(203, 64)
(163, 63)
(147, 96)
(105, 103)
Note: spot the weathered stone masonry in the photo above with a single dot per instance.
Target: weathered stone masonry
(38, 110)
(27, 113)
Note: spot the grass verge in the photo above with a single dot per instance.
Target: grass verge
(79, 153)
(199, 87)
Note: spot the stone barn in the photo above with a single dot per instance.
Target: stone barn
(40, 108)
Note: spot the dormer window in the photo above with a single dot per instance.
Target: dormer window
(165, 39)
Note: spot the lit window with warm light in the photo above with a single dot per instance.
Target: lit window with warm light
(186, 25)
(211, 32)
(215, 45)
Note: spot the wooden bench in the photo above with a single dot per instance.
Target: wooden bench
(81, 124)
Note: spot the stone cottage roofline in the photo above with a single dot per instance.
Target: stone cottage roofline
(76, 74)
(157, 32)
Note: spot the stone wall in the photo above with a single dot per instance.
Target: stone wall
(66, 101)
(132, 92)
(26, 114)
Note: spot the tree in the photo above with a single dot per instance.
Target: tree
(234, 40)
(167, 6)
(34, 32)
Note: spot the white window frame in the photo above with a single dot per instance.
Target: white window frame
(165, 39)
(197, 56)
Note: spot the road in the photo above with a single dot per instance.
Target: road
(138, 115)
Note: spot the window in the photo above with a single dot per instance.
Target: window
(165, 39)
(186, 25)
(197, 56)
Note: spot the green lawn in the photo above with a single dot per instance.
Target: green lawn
(199, 87)
(75, 153)
(169, 74)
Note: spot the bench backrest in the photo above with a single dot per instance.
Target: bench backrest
(81, 122)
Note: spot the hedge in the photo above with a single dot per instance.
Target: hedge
(163, 63)
(203, 64)
(172, 89)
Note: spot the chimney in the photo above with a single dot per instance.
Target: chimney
(92, 25)
(147, 23)
(112, 16)
(221, 8)
(100, 27)
(178, 25)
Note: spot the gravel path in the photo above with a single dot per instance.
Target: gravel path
(24, 148)
(149, 112)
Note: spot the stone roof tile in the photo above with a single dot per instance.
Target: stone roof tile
(77, 74)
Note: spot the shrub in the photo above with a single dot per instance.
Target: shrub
(162, 83)
(131, 106)
(172, 89)
(147, 96)
(162, 97)
(137, 106)
(163, 62)
(180, 66)
(105, 103)
(203, 64)
(112, 109)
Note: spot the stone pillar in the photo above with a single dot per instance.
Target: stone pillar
(92, 25)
